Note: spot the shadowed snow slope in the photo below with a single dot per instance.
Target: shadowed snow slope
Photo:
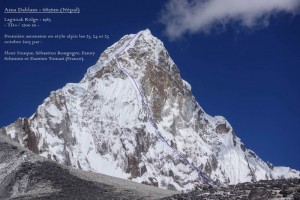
(102, 125)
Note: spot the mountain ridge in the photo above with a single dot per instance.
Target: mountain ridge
(100, 124)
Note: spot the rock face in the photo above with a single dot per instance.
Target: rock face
(271, 189)
(102, 124)
(26, 176)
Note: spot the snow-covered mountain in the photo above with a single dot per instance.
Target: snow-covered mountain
(132, 116)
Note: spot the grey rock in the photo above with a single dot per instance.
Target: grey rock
(262, 190)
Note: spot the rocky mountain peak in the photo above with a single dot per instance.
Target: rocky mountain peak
(132, 116)
(141, 51)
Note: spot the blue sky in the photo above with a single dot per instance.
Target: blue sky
(247, 73)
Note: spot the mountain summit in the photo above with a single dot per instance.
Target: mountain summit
(132, 116)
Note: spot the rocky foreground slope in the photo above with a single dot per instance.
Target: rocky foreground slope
(26, 176)
(132, 116)
(262, 190)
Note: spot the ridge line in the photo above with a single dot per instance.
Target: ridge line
(201, 175)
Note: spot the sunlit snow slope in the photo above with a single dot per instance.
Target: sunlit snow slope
(101, 124)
